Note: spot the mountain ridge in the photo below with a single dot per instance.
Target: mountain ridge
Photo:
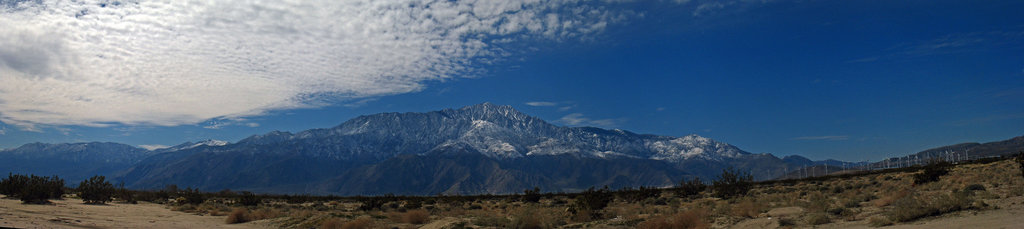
(477, 149)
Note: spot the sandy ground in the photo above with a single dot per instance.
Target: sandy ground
(1007, 216)
(72, 213)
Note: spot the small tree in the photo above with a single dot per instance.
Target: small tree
(732, 183)
(124, 195)
(40, 189)
(592, 201)
(689, 188)
(13, 184)
(96, 190)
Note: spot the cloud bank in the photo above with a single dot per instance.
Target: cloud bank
(98, 63)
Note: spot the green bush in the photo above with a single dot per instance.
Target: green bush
(248, 199)
(690, 188)
(732, 183)
(39, 189)
(13, 184)
(96, 190)
(192, 196)
(592, 201)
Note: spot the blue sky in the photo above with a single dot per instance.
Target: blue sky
(850, 80)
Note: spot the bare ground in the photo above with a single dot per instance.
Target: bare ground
(73, 213)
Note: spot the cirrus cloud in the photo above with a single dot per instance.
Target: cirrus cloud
(98, 63)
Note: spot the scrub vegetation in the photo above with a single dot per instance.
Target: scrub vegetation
(873, 198)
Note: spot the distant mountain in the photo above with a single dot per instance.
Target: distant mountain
(483, 148)
(72, 161)
(953, 153)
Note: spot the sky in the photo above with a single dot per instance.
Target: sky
(848, 80)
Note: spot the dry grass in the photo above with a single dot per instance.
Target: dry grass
(239, 215)
(418, 216)
(879, 221)
(877, 200)
(332, 223)
(887, 200)
(818, 219)
(747, 208)
(688, 219)
(359, 223)
(536, 217)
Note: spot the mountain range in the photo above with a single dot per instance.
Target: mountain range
(478, 149)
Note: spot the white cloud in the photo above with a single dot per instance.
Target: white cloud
(542, 104)
(153, 147)
(578, 119)
(827, 137)
(167, 63)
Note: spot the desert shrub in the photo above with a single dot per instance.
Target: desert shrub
(818, 202)
(1020, 162)
(372, 203)
(591, 201)
(358, 223)
(32, 189)
(192, 196)
(533, 217)
(912, 207)
(96, 190)
(629, 194)
(879, 222)
(491, 221)
(248, 199)
(531, 196)
(416, 217)
(817, 219)
(526, 220)
(887, 200)
(837, 211)
(732, 183)
(124, 195)
(974, 187)
(747, 208)
(239, 215)
(931, 173)
(786, 222)
(13, 184)
(688, 219)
